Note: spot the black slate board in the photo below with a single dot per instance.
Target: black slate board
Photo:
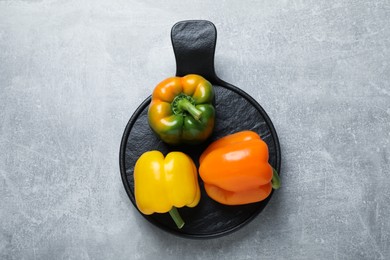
(235, 111)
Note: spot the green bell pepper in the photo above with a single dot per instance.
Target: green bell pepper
(181, 110)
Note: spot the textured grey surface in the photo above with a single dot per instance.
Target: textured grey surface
(73, 72)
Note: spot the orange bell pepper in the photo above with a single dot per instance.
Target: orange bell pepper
(235, 169)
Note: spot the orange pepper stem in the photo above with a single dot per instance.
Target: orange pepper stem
(275, 179)
(183, 103)
(176, 217)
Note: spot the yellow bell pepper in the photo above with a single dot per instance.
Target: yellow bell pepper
(164, 184)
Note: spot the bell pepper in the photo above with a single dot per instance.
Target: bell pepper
(235, 169)
(181, 110)
(164, 184)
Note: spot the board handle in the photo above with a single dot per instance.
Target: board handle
(194, 43)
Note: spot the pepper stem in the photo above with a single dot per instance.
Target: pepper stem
(176, 217)
(275, 182)
(182, 103)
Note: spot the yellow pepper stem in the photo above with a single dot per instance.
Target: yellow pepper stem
(275, 179)
(176, 217)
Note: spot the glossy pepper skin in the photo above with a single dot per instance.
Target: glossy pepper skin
(181, 110)
(235, 169)
(163, 184)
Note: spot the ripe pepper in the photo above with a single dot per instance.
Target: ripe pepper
(181, 110)
(235, 169)
(164, 184)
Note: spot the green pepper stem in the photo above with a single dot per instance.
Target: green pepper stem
(176, 217)
(275, 179)
(186, 105)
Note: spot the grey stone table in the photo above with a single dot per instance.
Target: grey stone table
(73, 72)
